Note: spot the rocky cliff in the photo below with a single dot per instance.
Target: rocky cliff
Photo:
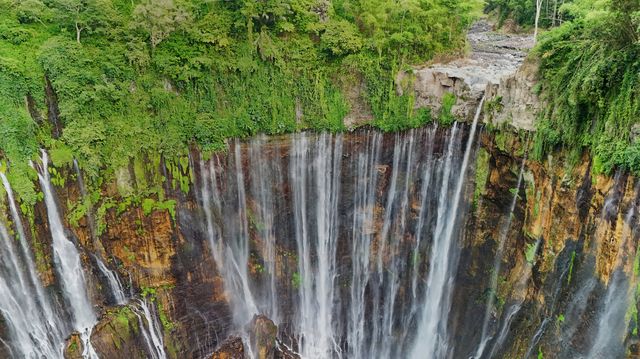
(571, 235)
(496, 68)
(321, 245)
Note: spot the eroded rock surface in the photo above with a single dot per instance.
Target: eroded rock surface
(494, 66)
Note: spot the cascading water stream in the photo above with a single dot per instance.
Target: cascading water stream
(612, 325)
(262, 180)
(316, 287)
(113, 281)
(150, 328)
(68, 265)
(228, 235)
(431, 340)
(362, 233)
(35, 330)
(504, 231)
(320, 178)
(580, 299)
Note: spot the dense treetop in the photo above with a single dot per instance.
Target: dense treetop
(590, 68)
(154, 76)
(140, 81)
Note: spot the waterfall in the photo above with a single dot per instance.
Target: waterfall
(150, 328)
(432, 335)
(113, 281)
(116, 290)
(580, 299)
(504, 231)
(352, 221)
(317, 168)
(612, 325)
(366, 180)
(34, 327)
(227, 230)
(68, 265)
(264, 177)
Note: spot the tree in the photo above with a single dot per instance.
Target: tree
(340, 37)
(538, 8)
(159, 18)
(30, 11)
(89, 16)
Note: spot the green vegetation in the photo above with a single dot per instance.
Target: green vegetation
(448, 101)
(482, 175)
(153, 77)
(530, 252)
(296, 280)
(573, 258)
(590, 70)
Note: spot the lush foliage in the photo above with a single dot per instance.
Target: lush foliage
(591, 81)
(523, 12)
(142, 76)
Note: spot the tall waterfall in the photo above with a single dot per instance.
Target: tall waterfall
(612, 324)
(432, 331)
(35, 328)
(68, 266)
(316, 200)
(504, 231)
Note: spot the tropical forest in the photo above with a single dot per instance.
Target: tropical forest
(319, 179)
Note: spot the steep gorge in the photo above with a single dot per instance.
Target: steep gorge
(355, 245)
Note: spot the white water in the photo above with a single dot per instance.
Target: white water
(362, 233)
(34, 328)
(264, 177)
(611, 325)
(68, 266)
(113, 281)
(504, 231)
(227, 230)
(320, 171)
(150, 328)
(334, 198)
(432, 338)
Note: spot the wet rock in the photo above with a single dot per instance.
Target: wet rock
(73, 348)
(232, 348)
(117, 335)
(263, 337)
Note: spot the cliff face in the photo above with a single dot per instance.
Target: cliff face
(494, 68)
(321, 245)
(570, 239)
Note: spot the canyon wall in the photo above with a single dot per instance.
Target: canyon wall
(566, 251)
